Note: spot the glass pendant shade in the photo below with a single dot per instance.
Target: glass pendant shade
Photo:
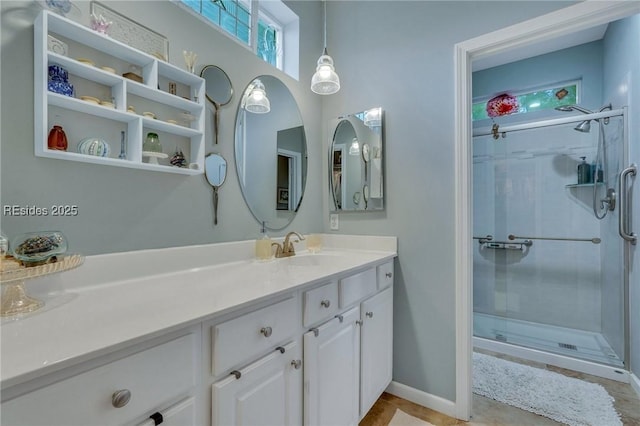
(256, 100)
(325, 81)
(354, 149)
(373, 117)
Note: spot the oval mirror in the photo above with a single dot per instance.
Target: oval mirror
(215, 170)
(218, 90)
(271, 152)
(355, 162)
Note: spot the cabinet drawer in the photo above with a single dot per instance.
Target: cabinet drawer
(385, 275)
(356, 287)
(153, 377)
(242, 339)
(320, 303)
(180, 414)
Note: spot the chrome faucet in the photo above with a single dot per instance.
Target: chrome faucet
(287, 248)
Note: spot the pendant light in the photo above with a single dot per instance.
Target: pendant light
(325, 81)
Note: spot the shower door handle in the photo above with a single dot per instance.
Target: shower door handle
(623, 216)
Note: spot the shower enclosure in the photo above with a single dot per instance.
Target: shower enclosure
(549, 264)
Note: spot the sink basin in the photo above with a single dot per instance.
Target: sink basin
(312, 259)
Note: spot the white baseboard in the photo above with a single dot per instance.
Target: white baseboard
(634, 381)
(422, 398)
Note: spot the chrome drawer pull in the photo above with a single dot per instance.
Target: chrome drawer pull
(359, 322)
(281, 349)
(266, 331)
(388, 275)
(369, 314)
(120, 398)
(236, 373)
(296, 363)
(325, 303)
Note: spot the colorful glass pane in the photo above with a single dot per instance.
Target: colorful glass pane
(540, 100)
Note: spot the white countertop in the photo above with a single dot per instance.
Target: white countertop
(111, 301)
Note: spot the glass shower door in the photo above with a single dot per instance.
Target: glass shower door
(551, 276)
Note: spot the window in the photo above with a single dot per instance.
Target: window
(538, 100)
(274, 25)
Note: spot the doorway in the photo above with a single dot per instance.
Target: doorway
(535, 32)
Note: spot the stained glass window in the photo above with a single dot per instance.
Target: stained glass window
(538, 100)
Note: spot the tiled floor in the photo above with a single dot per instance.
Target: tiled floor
(489, 412)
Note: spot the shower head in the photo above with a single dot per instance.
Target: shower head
(584, 126)
(568, 108)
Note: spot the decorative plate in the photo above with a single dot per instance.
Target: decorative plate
(57, 46)
(504, 104)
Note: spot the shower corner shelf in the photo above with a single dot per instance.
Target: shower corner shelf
(583, 185)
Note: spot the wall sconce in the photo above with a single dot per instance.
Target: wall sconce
(325, 81)
(255, 98)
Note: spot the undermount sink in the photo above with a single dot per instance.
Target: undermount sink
(312, 259)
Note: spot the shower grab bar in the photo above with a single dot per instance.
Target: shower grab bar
(623, 216)
(590, 240)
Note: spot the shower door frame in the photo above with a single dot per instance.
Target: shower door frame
(551, 26)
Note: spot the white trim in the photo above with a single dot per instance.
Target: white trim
(634, 381)
(556, 24)
(422, 398)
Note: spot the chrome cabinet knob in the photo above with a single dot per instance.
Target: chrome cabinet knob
(325, 303)
(369, 314)
(266, 331)
(388, 275)
(120, 398)
(296, 363)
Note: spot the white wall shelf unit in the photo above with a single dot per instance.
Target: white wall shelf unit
(179, 118)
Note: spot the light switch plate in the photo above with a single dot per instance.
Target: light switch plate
(334, 222)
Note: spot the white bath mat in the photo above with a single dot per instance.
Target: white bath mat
(400, 418)
(560, 398)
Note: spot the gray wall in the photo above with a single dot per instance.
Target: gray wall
(125, 209)
(399, 55)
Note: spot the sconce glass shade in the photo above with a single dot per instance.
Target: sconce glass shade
(325, 81)
(256, 100)
(354, 149)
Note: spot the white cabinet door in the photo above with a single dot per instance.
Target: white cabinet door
(376, 348)
(265, 393)
(331, 371)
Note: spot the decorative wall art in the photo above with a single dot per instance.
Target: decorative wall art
(132, 33)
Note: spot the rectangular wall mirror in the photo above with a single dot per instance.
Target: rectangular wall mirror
(355, 162)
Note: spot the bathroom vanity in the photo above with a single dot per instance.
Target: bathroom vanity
(206, 335)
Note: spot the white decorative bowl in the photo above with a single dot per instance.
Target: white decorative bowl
(94, 146)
